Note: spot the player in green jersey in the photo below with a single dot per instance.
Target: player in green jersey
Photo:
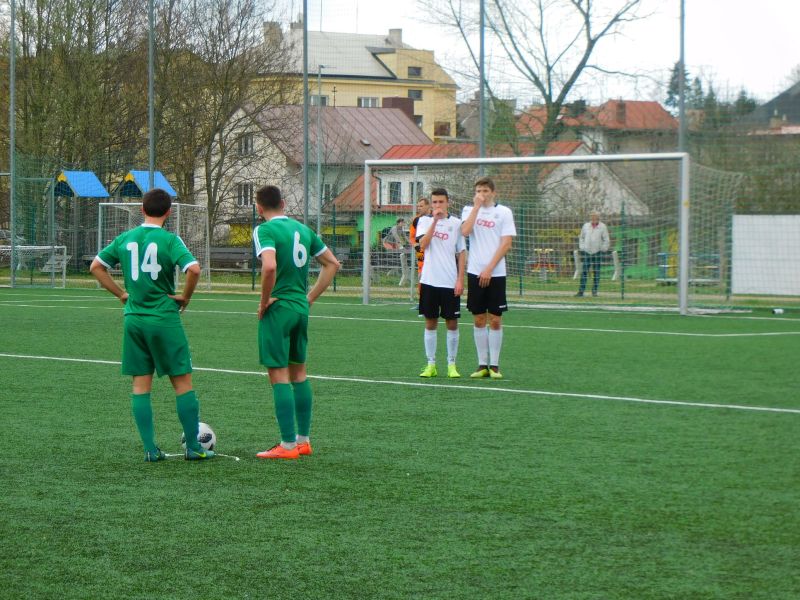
(285, 247)
(153, 337)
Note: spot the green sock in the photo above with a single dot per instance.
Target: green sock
(189, 415)
(303, 401)
(283, 395)
(143, 415)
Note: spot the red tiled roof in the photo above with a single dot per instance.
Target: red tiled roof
(614, 114)
(470, 150)
(352, 199)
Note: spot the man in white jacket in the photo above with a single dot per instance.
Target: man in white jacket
(593, 243)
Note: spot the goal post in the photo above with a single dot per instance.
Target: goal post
(657, 255)
(35, 266)
(188, 221)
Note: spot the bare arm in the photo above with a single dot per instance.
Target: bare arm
(486, 275)
(269, 269)
(462, 263)
(192, 277)
(425, 240)
(330, 265)
(468, 225)
(102, 275)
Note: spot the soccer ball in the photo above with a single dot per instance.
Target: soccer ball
(205, 435)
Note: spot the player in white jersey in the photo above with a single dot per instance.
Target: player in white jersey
(490, 229)
(442, 279)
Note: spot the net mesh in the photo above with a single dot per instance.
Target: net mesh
(34, 266)
(188, 221)
(637, 200)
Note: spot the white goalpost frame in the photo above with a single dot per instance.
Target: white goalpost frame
(683, 203)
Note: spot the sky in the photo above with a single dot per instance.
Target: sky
(732, 43)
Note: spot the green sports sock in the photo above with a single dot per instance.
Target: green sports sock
(143, 415)
(189, 415)
(283, 395)
(303, 402)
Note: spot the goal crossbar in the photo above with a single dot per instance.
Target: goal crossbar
(683, 208)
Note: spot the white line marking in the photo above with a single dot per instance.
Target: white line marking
(476, 388)
(468, 325)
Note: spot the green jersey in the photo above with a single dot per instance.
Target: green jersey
(148, 255)
(294, 244)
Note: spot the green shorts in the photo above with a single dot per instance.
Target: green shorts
(282, 337)
(149, 346)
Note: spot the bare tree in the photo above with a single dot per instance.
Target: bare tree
(226, 65)
(545, 46)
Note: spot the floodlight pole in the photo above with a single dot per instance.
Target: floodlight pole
(306, 186)
(151, 164)
(682, 83)
(12, 135)
(319, 148)
(482, 88)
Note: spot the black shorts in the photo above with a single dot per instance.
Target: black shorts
(491, 299)
(435, 302)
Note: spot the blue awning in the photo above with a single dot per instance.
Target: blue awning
(79, 184)
(137, 183)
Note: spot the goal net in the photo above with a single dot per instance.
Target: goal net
(670, 226)
(188, 221)
(35, 266)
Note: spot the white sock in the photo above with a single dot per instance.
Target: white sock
(302, 439)
(289, 445)
(481, 335)
(495, 342)
(430, 346)
(452, 346)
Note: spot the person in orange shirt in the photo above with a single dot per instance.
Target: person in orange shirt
(423, 210)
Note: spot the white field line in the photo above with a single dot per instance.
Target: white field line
(463, 388)
(417, 322)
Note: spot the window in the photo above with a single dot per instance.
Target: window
(416, 191)
(417, 120)
(329, 192)
(245, 144)
(368, 102)
(415, 71)
(415, 94)
(395, 189)
(441, 128)
(244, 194)
(315, 100)
(580, 173)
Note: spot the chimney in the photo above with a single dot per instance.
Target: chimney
(404, 104)
(272, 33)
(396, 38)
(621, 116)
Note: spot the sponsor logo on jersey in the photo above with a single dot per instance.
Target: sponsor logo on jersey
(441, 235)
(485, 223)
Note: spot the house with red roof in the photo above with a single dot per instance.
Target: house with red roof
(268, 148)
(558, 189)
(614, 127)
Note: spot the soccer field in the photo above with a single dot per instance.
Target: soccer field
(624, 455)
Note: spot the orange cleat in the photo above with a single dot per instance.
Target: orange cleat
(278, 451)
(304, 448)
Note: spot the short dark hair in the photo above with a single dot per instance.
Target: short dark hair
(269, 197)
(487, 181)
(401, 220)
(156, 202)
(440, 192)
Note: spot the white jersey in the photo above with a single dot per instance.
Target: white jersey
(492, 223)
(440, 268)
